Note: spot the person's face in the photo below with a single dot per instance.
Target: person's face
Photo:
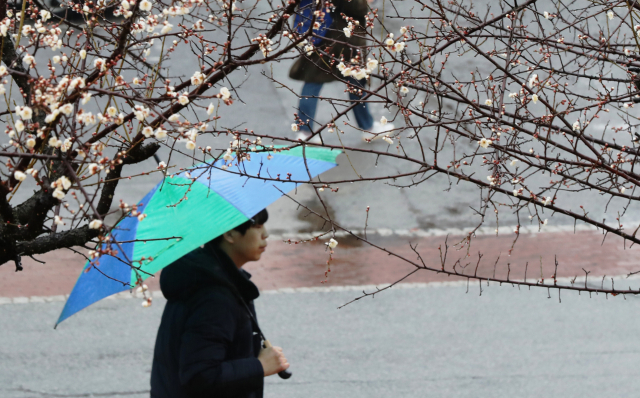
(250, 246)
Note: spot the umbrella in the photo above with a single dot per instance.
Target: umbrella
(194, 207)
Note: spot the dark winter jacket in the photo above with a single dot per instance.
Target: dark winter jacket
(206, 346)
(316, 69)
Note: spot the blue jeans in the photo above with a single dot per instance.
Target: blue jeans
(309, 104)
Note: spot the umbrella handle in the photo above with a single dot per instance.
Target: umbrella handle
(285, 374)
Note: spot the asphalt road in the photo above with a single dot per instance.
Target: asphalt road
(431, 341)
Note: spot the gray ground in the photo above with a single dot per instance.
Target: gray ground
(433, 341)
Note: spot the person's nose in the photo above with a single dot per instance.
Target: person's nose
(265, 234)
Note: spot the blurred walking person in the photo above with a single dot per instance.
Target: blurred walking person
(315, 71)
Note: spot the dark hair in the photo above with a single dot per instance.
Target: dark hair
(259, 219)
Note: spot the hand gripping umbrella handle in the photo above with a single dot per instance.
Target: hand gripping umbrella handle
(285, 374)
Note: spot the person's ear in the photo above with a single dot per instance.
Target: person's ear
(229, 236)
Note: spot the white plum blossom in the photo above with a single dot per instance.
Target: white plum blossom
(25, 112)
(63, 182)
(532, 80)
(513, 162)
(160, 133)
(183, 99)
(19, 126)
(332, 243)
(399, 47)
(485, 143)
(192, 134)
(167, 28)
(360, 74)
(225, 93)
(388, 139)
(576, 125)
(534, 98)
(54, 142)
(547, 200)
(58, 194)
(488, 102)
(228, 155)
(67, 109)
(546, 15)
(100, 63)
(372, 64)
(77, 82)
(308, 49)
(404, 90)
(383, 120)
(112, 111)
(210, 109)
(3, 69)
(295, 127)
(145, 5)
(30, 143)
(29, 59)
(57, 220)
(174, 117)
(147, 131)
(141, 112)
(83, 54)
(197, 78)
(190, 145)
(95, 224)
(610, 15)
(85, 98)
(348, 30)
(20, 176)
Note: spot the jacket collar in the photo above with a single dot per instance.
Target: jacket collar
(223, 267)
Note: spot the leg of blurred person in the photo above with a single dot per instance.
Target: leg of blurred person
(363, 116)
(361, 111)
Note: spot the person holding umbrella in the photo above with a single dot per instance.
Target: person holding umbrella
(208, 342)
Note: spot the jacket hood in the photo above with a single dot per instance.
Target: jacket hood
(205, 267)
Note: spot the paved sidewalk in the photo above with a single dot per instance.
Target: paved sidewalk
(355, 263)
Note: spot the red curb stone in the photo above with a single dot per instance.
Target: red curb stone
(355, 263)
